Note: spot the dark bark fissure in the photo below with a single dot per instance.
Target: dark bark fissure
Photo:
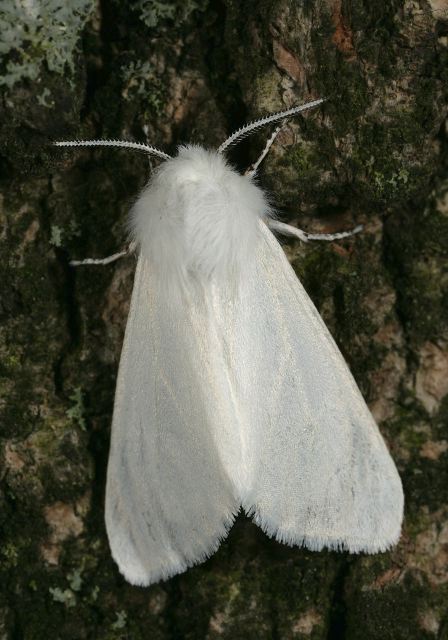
(98, 77)
(221, 73)
(337, 624)
(63, 278)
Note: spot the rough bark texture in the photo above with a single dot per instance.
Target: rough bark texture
(376, 153)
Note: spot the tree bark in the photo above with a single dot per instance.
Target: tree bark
(375, 153)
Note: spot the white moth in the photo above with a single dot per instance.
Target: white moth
(231, 392)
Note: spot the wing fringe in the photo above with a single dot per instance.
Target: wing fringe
(177, 563)
(352, 544)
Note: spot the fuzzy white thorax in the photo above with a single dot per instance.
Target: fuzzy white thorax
(197, 218)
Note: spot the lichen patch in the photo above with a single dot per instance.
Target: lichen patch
(433, 450)
(288, 62)
(431, 381)
(391, 576)
(306, 623)
(342, 36)
(429, 621)
(13, 460)
(430, 552)
(64, 522)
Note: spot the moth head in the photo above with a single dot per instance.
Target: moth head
(198, 219)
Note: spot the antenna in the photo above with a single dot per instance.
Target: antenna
(274, 117)
(139, 146)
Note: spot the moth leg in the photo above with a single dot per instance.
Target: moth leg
(251, 171)
(289, 230)
(103, 261)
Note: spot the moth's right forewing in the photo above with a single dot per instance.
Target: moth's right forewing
(320, 474)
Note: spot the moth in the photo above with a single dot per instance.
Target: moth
(231, 392)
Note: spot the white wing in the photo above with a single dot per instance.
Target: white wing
(318, 472)
(230, 399)
(170, 498)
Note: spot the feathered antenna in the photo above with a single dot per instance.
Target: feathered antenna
(274, 117)
(139, 146)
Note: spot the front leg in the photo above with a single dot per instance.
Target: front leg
(251, 171)
(103, 261)
(288, 230)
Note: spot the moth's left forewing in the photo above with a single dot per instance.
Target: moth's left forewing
(318, 471)
(170, 496)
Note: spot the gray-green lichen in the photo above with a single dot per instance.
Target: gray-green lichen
(77, 411)
(140, 81)
(154, 11)
(38, 31)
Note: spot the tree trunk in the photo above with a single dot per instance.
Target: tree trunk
(375, 153)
